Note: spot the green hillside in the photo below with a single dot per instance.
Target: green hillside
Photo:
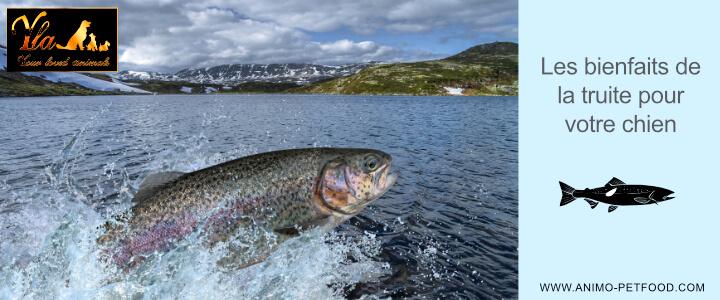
(18, 84)
(490, 69)
(261, 87)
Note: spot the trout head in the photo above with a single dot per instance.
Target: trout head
(349, 183)
(661, 194)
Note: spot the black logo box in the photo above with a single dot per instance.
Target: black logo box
(63, 24)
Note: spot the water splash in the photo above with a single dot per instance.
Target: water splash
(48, 245)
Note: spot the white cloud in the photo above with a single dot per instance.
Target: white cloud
(408, 28)
(371, 15)
(170, 35)
(215, 37)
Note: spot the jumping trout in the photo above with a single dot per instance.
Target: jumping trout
(280, 193)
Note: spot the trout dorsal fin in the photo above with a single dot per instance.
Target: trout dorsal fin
(153, 183)
(614, 181)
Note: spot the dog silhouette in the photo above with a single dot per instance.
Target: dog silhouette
(104, 47)
(77, 39)
(92, 46)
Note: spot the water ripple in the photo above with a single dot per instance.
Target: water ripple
(447, 229)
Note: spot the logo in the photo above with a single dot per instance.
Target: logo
(616, 193)
(62, 39)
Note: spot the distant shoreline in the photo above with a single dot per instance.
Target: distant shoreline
(245, 94)
(484, 70)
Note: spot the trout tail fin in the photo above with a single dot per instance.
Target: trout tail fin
(567, 194)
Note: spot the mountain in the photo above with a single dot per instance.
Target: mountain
(489, 69)
(479, 51)
(238, 73)
(125, 75)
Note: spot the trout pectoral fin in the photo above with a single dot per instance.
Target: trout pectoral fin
(294, 230)
(291, 231)
(642, 200)
(153, 183)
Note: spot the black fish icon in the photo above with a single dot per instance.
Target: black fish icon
(616, 193)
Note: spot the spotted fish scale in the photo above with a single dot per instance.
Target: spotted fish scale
(267, 191)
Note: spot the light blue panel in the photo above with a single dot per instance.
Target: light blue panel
(674, 242)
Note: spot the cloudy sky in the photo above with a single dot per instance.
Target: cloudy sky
(170, 35)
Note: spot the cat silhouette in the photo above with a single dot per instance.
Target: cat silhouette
(92, 46)
(77, 39)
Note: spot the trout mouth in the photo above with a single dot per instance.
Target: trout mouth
(384, 180)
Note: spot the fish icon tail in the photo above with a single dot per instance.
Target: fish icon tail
(567, 194)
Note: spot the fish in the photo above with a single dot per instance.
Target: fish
(279, 194)
(616, 193)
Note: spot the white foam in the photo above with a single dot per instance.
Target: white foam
(66, 262)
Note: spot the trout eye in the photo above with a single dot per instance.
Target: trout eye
(371, 163)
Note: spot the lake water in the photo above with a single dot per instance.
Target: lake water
(446, 229)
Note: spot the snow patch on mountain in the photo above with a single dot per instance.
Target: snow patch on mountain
(453, 91)
(238, 73)
(85, 81)
(115, 80)
(70, 77)
(125, 75)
